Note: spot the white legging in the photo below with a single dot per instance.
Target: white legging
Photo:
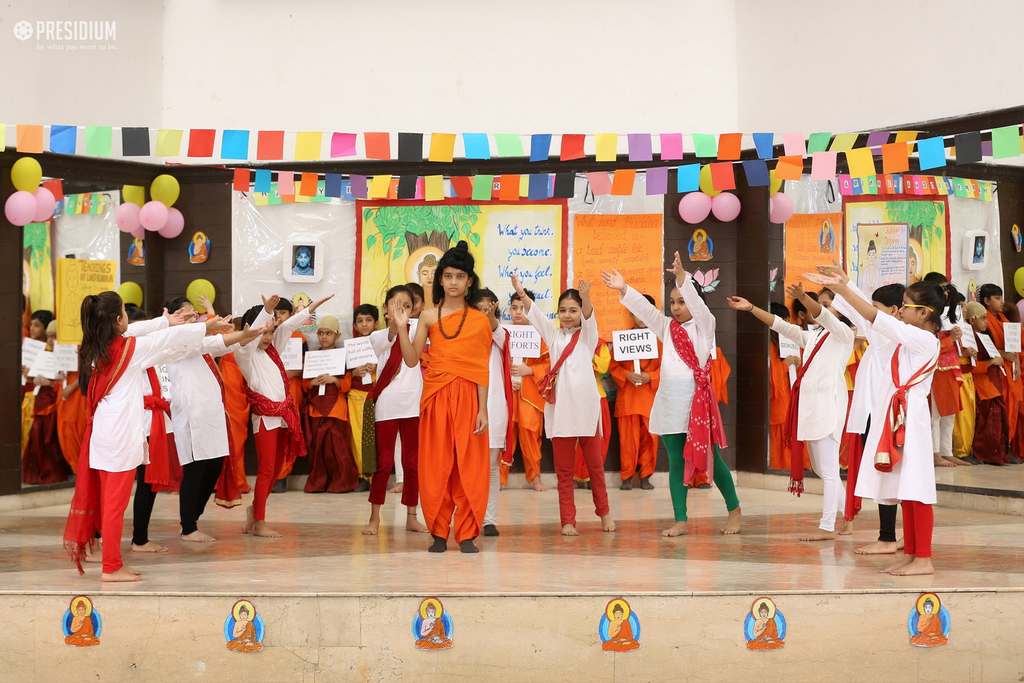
(491, 516)
(942, 432)
(824, 455)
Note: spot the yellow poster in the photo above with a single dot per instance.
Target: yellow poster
(927, 233)
(77, 279)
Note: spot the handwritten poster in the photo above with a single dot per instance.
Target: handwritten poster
(928, 233)
(326, 362)
(883, 255)
(77, 279)
(30, 348)
(67, 357)
(812, 239)
(1011, 336)
(360, 352)
(632, 244)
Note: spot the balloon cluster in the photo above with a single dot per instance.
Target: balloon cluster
(31, 203)
(695, 207)
(156, 215)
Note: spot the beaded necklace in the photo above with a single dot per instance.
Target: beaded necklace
(440, 328)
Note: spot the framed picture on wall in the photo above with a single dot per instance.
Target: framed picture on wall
(303, 261)
(975, 254)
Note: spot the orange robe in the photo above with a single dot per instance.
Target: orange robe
(620, 633)
(84, 636)
(1015, 394)
(237, 407)
(720, 371)
(328, 439)
(768, 640)
(247, 641)
(436, 638)
(929, 628)
(71, 418)
(528, 417)
(638, 448)
(454, 467)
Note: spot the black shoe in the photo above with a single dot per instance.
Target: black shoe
(580, 484)
(627, 485)
(280, 486)
(974, 461)
(490, 530)
(468, 546)
(705, 485)
(364, 486)
(439, 545)
(1014, 460)
(645, 484)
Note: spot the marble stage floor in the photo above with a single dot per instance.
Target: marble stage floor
(323, 551)
(986, 479)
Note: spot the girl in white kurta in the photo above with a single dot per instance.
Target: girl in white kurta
(818, 403)
(575, 416)
(904, 471)
(678, 390)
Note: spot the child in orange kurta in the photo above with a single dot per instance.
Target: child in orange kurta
(454, 466)
(527, 404)
(237, 407)
(71, 420)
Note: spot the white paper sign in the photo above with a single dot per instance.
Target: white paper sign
(787, 348)
(360, 352)
(989, 346)
(67, 357)
(30, 348)
(292, 356)
(1011, 333)
(328, 362)
(523, 341)
(634, 344)
(967, 339)
(44, 365)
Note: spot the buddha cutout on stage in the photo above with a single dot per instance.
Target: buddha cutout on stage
(764, 627)
(432, 626)
(619, 628)
(701, 248)
(244, 628)
(199, 248)
(137, 253)
(299, 302)
(929, 622)
(827, 238)
(82, 623)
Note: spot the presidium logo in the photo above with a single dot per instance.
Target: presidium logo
(63, 31)
(23, 30)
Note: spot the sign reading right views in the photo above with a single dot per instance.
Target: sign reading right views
(634, 344)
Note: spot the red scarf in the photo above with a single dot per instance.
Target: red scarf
(84, 517)
(705, 429)
(158, 471)
(789, 439)
(261, 405)
(389, 372)
(227, 494)
(506, 365)
(890, 444)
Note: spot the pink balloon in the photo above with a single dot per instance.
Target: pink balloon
(45, 204)
(725, 206)
(781, 208)
(694, 207)
(153, 215)
(127, 217)
(21, 208)
(175, 224)
(139, 232)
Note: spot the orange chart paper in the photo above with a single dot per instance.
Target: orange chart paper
(812, 239)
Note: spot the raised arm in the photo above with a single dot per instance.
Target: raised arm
(583, 286)
(636, 304)
(412, 349)
(836, 327)
(703, 318)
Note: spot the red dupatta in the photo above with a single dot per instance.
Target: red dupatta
(705, 428)
(890, 444)
(84, 516)
(261, 405)
(789, 438)
(158, 471)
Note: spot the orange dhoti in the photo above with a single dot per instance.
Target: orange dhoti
(237, 407)
(529, 426)
(71, 418)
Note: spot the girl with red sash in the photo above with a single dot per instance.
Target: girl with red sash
(817, 406)
(395, 398)
(275, 421)
(114, 444)
(899, 441)
(685, 412)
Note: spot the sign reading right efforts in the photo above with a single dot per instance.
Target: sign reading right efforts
(523, 341)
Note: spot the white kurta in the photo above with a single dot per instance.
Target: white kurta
(260, 372)
(913, 477)
(118, 443)
(200, 430)
(497, 408)
(670, 413)
(823, 393)
(577, 407)
(872, 365)
(401, 398)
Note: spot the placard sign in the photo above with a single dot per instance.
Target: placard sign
(44, 365)
(634, 344)
(30, 348)
(787, 348)
(67, 357)
(360, 352)
(523, 341)
(327, 362)
(1011, 332)
(292, 356)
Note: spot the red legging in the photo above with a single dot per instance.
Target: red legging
(918, 522)
(565, 460)
(115, 492)
(270, 451)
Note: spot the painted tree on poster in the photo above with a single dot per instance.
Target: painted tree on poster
(919, 215)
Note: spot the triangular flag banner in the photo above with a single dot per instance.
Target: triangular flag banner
(790, 167)
(688, 178)
(607, 146)
(168, 142)
(98, 140)
(200, 142)
(861, 162)
(343, 145)
(540, 147)
(241, 180)
(729, 146)
(722, 176)
(234, 144)
(600, 183)
(307, 145)
(483, 188)
(30, 139)
(134, 142)
(270, 145)
(63, 139)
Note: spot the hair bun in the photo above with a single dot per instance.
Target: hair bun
(462, 247)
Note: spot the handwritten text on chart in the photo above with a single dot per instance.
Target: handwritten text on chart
(523, 232)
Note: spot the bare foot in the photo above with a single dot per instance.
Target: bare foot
(959, 462)
(899, 543)
(149, 548)
(920, 565)
(877, 548)
(122, 575)
(537, 485)
(250, 520)
(732, 525)
(820, 535)
(903, 562)
(942, 462)
(677, 529)
(397, 488)
(569, 530)
(89, 557)
(847, 528)
(197, 536)
(261, 529)
(372, 526)
(607, 524)
(415, 525)
(131, 570)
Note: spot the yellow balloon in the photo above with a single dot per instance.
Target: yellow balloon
(26, 174)
(130, 293)
(164, 189)
(136, 194)
(1018, 281)
(197, 287)
(706, 185)
(776, 183)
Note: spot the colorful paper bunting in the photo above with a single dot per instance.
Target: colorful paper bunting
(790, 167)
(463, 187)
(410, 147)
(286, 183)
(623, 180)
(968, 148)
(876, 139)
(640, 147)
(508, 188)
(234, 144)
(168, 142)
(308, 183)
(359, 189)
(1005, 142)
(607, 146)
(483, 188)
(64, 139)
(30, 139)
(572, 148)
(657, 180)
(705, 145)
(380, 185)
(476, 146)
(600, 183)
(843, 142)
(729, 146)
(765, 144)
(565, 184)
(406, 183)
(818, 142)
(98, 141)
(688, 178)
(671, 146)
(793, 143)
(823, 165)
(722, 176)
(332, 184)
(509, 144)
(134, 142)
(931, 152)
(241, 180)
(343, 145)
(539, 186)
(200, 142)
(307, 145)
(861, 162)
(378, 145)
(433, 188)
(442, 147)
(262, 181)
(894, 158)
(756, 171)
(540, 147)
(270, 145)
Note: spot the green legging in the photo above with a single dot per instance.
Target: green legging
(674, 444)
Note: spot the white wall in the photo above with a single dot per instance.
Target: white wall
(810, 65)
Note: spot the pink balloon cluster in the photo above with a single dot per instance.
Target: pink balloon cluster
(153, 216)
(695, 207)
(781, 208)
(24, 207)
